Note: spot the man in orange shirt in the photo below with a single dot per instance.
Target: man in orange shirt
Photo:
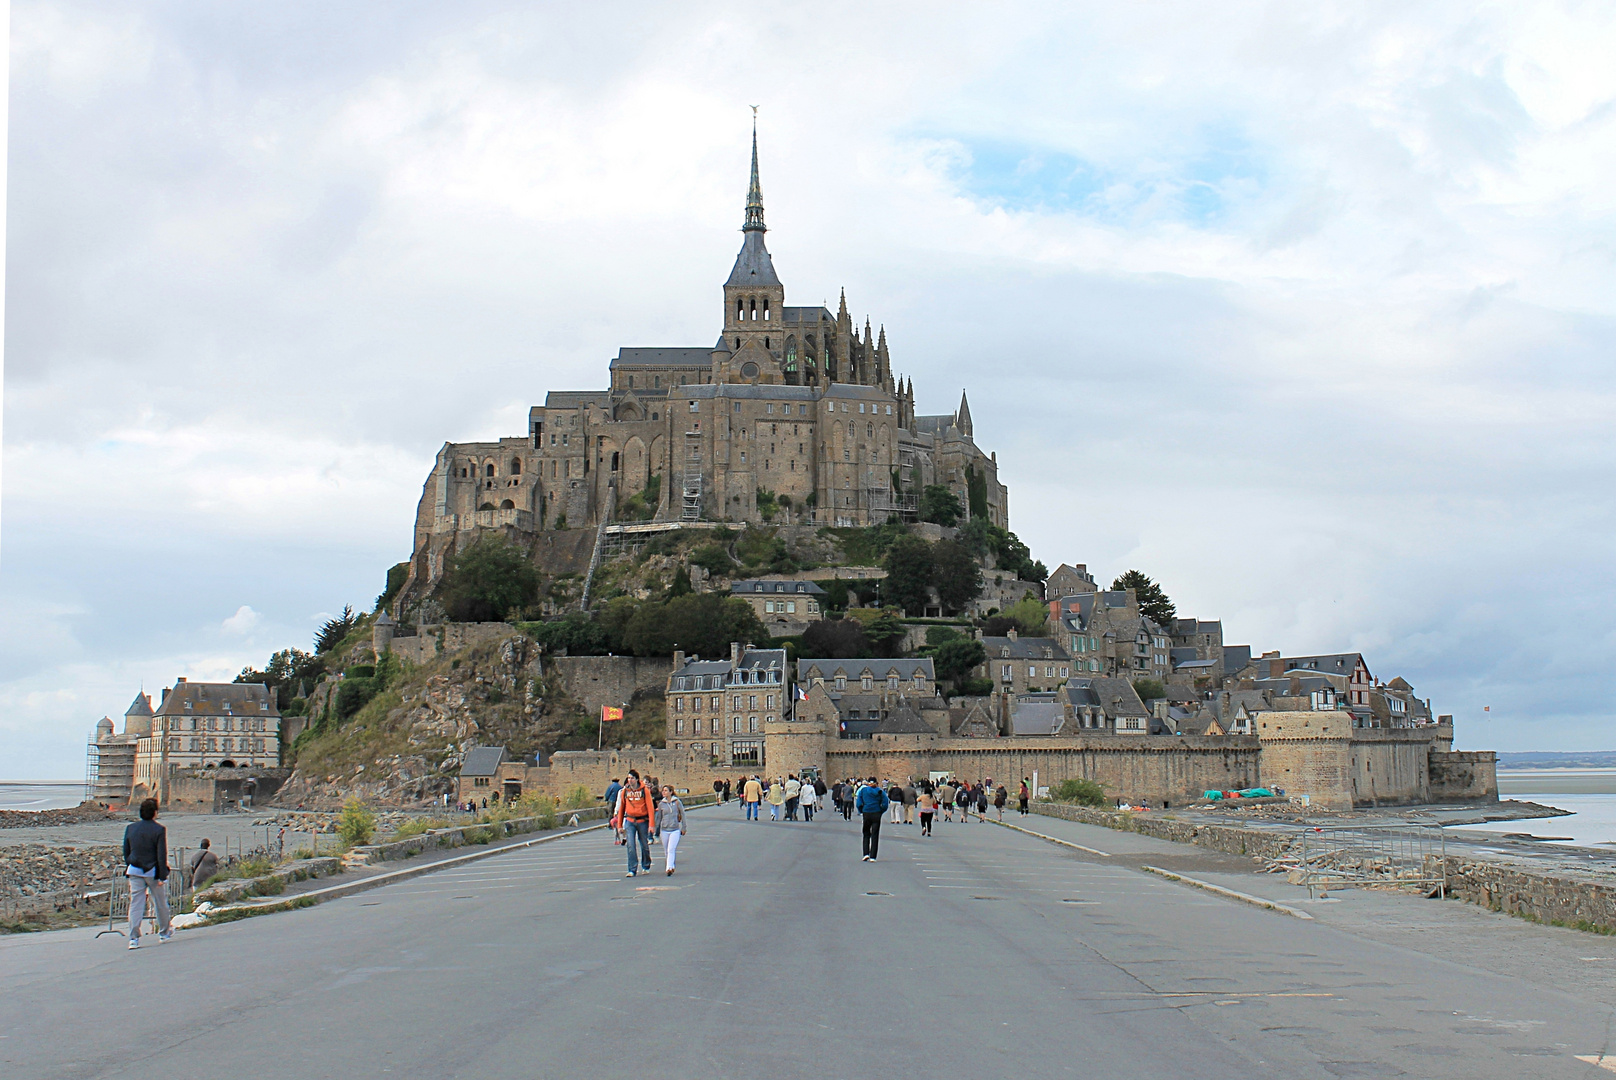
(633, 818)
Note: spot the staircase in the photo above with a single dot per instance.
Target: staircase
(600, 540)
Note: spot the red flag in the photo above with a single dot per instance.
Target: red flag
(607, 713)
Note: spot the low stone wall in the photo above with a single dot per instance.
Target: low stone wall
(1559, 901)
(1230, 839)
(233, 889)
(455, 837)
(1464, 776)
(432, 641)
(1546, 898)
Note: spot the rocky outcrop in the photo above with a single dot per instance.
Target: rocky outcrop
(406, 747)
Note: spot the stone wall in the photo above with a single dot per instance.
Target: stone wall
(1464, 776)
(594, 769)
(214, 790)
(1390, 766)
(1309, 753)
(1171, 770)
(430, 642)
(1231, 839)
(594, 681)
(1559, 900)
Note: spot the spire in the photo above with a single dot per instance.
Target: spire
(962, 419)
(841, 312)
(754, 193)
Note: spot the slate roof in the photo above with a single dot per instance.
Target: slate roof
(1328, 663)
(1105, 691)
(662, 356)
(775, 585)
(749, 391)
(1235, 657)
(807, 315)
(218, 699)
(762, 660)
(904, 720)
(753, 266)
(141, 706)
(482, 761)
(577, 399)
(1024, 648)
(1036, 718)
(808, 670)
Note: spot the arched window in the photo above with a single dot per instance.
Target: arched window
(488, 470)
(740, 311)
(507, 505)
(516, 466)
(765, 309)
(754, 309)
(614, 461)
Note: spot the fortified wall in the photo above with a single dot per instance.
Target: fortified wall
(594, 681)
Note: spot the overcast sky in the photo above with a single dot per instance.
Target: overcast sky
(1304, 310)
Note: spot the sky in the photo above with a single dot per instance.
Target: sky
(1307, 311)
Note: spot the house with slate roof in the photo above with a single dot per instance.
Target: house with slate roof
(719, 709)
(1021, 665)
(784, 606)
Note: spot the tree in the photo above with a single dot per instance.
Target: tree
(886, 633)
(287, 672)
(1152, 598)
(1032, 617)
(700, 623)
(957, 575)
(909, 574)
(835, 639)
(332, 631)
(681, 583)
(937, 636)
(1149, 689)
(939, 505)
(956, 659)
(488, 581)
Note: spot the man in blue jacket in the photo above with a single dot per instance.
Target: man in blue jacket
(145, 854)
(871, 802)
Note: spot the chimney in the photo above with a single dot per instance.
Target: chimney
(734, 652)
(678, 659)
(1276, 668)
(1011, 633)
(165, 697)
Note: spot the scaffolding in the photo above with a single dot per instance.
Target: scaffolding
(692, 477)
(885, 500)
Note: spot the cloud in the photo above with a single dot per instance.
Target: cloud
(242, 622)
(1305, 310)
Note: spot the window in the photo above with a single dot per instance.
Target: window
(1032, 671)
(1049, 671)
(752, 701)
(692, 409)
(679, 703)
(1006, 674)
(679, 725)
(736, 704)
(1063, 671)
(768, 702)
(751, 725)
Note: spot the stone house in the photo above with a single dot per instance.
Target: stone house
(1019, 665)
(487, 772)
(1069, 581)
(1107, 705)
(720, 708)
(785, 607)
(224, 725)
(916, 677)
(1197, 651)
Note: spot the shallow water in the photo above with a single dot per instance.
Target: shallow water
(1589, 793)
(40, 794)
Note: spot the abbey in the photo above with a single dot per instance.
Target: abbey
(793, 414)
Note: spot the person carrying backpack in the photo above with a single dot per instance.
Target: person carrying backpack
(1000, 797)
(1024, 796)
(871, 802)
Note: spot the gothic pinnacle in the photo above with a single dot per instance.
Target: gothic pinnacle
(754, 193)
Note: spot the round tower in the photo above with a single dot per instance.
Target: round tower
(137, 719)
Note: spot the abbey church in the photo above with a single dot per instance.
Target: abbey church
(793, 413)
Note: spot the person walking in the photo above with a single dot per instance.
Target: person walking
(849, 790)
(793, 797)
(726, 790)
(670, 824)
(145, 857)
(1024, 796)
(894, 795)
(962, 801)
(633, 817)
(777, 799)
(909, 796)
(871, 802)
(752, 798)
(928, 810)
(610, 798)
(1000, 797)
(810, 799)
(718, 791)
(204, 864)
(981, 804)
(945, 799)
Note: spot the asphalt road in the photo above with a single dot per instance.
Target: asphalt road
(775, 952)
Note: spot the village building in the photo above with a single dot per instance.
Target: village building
(719, 709)
(785, 607)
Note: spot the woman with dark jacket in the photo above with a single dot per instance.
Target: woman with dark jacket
(145, 856)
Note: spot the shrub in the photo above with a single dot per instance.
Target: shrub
(1149, 689)
(353, 695)
(356, 824)
(578, 798)
(1081, 792)
(713, 559)
(488, 580)
(975, 687)
(417, 826)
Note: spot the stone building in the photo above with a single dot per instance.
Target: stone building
(1020, 665)
(1107, 634)
(1069, 581)
(112, 756)
(796, 406)
(720, 709)
(224, 725)
(785, 607)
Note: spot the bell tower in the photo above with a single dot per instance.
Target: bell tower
(754, 299)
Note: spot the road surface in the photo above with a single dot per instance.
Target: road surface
(776, 952)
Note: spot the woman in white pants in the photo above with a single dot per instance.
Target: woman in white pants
(670, 822)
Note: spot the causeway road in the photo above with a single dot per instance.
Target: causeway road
(776, 952)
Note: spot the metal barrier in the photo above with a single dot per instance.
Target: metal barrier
(1374, 855)
(177, 888)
